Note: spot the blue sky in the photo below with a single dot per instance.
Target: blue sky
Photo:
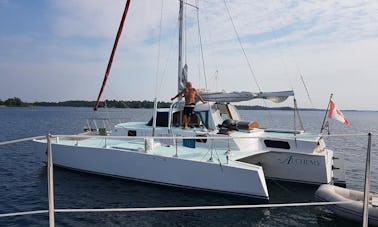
(58, 50)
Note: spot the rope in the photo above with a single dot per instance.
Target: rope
(144, 209)
(241, 46)
(304, 85)
(163, 73)
(185, 33)
(201, 45)
(246, 57)
(283, 57)
(159, 47)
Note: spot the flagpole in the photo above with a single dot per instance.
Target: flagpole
(325, 115)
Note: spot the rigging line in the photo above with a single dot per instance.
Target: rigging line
(281, 52)
(199, 50)
(283, 60)
(201, 46)
(166, 64)
(110, 93)
(295, 62)
(164, 71)
(296, 113)
(241, 45)
(246, 57)
(185, 31)
(159, 47)
(308, 93)
(163, 74)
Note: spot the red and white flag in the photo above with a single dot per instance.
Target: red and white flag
(336, 114)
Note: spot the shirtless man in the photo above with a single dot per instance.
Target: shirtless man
(190, 94)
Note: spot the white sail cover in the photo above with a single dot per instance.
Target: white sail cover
(183, 79)
(275, 97)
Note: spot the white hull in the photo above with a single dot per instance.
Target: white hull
(302, 163)
(294, 167)
(236, 178)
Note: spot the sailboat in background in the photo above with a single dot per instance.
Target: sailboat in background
(220, 152)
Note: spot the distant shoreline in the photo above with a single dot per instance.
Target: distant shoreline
(16, 102)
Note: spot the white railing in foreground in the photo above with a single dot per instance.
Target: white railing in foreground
(138, 209)
(50, 181)
(52, 210)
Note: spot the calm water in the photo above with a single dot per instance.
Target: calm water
(23, 179)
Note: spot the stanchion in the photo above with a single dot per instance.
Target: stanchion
(50, 182)
(365, 217)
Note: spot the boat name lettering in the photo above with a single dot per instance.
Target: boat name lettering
(291, 160)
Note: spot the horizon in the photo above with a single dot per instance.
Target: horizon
(319, 47)
(164, 102)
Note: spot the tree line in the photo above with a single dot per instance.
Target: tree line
(14, 102)
(107, 103)
(17, 102)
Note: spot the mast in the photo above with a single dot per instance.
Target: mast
(179, 70)
(112, 54)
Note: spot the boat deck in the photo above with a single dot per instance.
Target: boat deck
(258, 132)
(139, 145)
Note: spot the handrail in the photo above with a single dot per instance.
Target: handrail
(164, 137)
(22, 140)
(144, 209)
(154, 137)
(173, 105)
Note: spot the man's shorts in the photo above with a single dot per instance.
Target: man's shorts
(189, 109)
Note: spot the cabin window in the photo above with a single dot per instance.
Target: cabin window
(131, 133)
(224, 111)
(161, 119)
(277, 144)
(204, 116)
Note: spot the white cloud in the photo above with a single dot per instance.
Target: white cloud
(328, 41)
(101, 18)
(85, 18)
